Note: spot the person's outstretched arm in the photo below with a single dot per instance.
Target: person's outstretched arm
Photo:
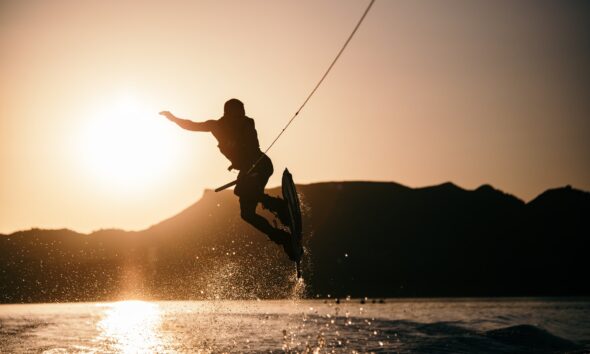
(190, 125)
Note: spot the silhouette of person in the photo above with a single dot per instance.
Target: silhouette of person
(238, 142)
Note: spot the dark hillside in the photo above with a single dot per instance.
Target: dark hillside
(363, 239)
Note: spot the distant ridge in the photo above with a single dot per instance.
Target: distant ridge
(374, 239)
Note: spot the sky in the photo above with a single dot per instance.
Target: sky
(473, 92)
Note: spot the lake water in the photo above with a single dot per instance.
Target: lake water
(322, 326)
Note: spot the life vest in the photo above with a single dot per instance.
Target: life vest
(237, 140)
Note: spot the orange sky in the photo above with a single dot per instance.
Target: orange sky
(427, 92)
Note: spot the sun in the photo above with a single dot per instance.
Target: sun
(126, 144)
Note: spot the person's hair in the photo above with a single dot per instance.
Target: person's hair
(234, 107)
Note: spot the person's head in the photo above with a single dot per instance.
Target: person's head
(234, 108)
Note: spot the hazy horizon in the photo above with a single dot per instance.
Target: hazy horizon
(427, 92)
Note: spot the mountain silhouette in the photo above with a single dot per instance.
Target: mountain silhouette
(371, 239)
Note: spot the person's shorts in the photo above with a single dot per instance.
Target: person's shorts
(251, 186)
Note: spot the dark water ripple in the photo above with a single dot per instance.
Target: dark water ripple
(445, 337)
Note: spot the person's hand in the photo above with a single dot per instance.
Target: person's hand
(168, 115)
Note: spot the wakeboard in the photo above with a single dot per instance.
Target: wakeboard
(296, 227)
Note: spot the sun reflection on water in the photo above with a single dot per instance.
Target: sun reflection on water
(131, 327)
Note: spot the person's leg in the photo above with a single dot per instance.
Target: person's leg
(277, 206)
(250, 189)
(251, 186)
(248, 213)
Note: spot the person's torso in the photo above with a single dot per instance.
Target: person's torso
(238, 140)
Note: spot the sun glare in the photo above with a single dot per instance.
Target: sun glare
(132, 327)
(126, 144)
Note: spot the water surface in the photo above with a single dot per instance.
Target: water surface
(407, 325)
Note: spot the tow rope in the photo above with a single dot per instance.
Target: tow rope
(225, 186)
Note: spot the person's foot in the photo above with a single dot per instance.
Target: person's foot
(278, 207)
(280, 236)
(284, 216)
(283, 239)
(288, 248)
